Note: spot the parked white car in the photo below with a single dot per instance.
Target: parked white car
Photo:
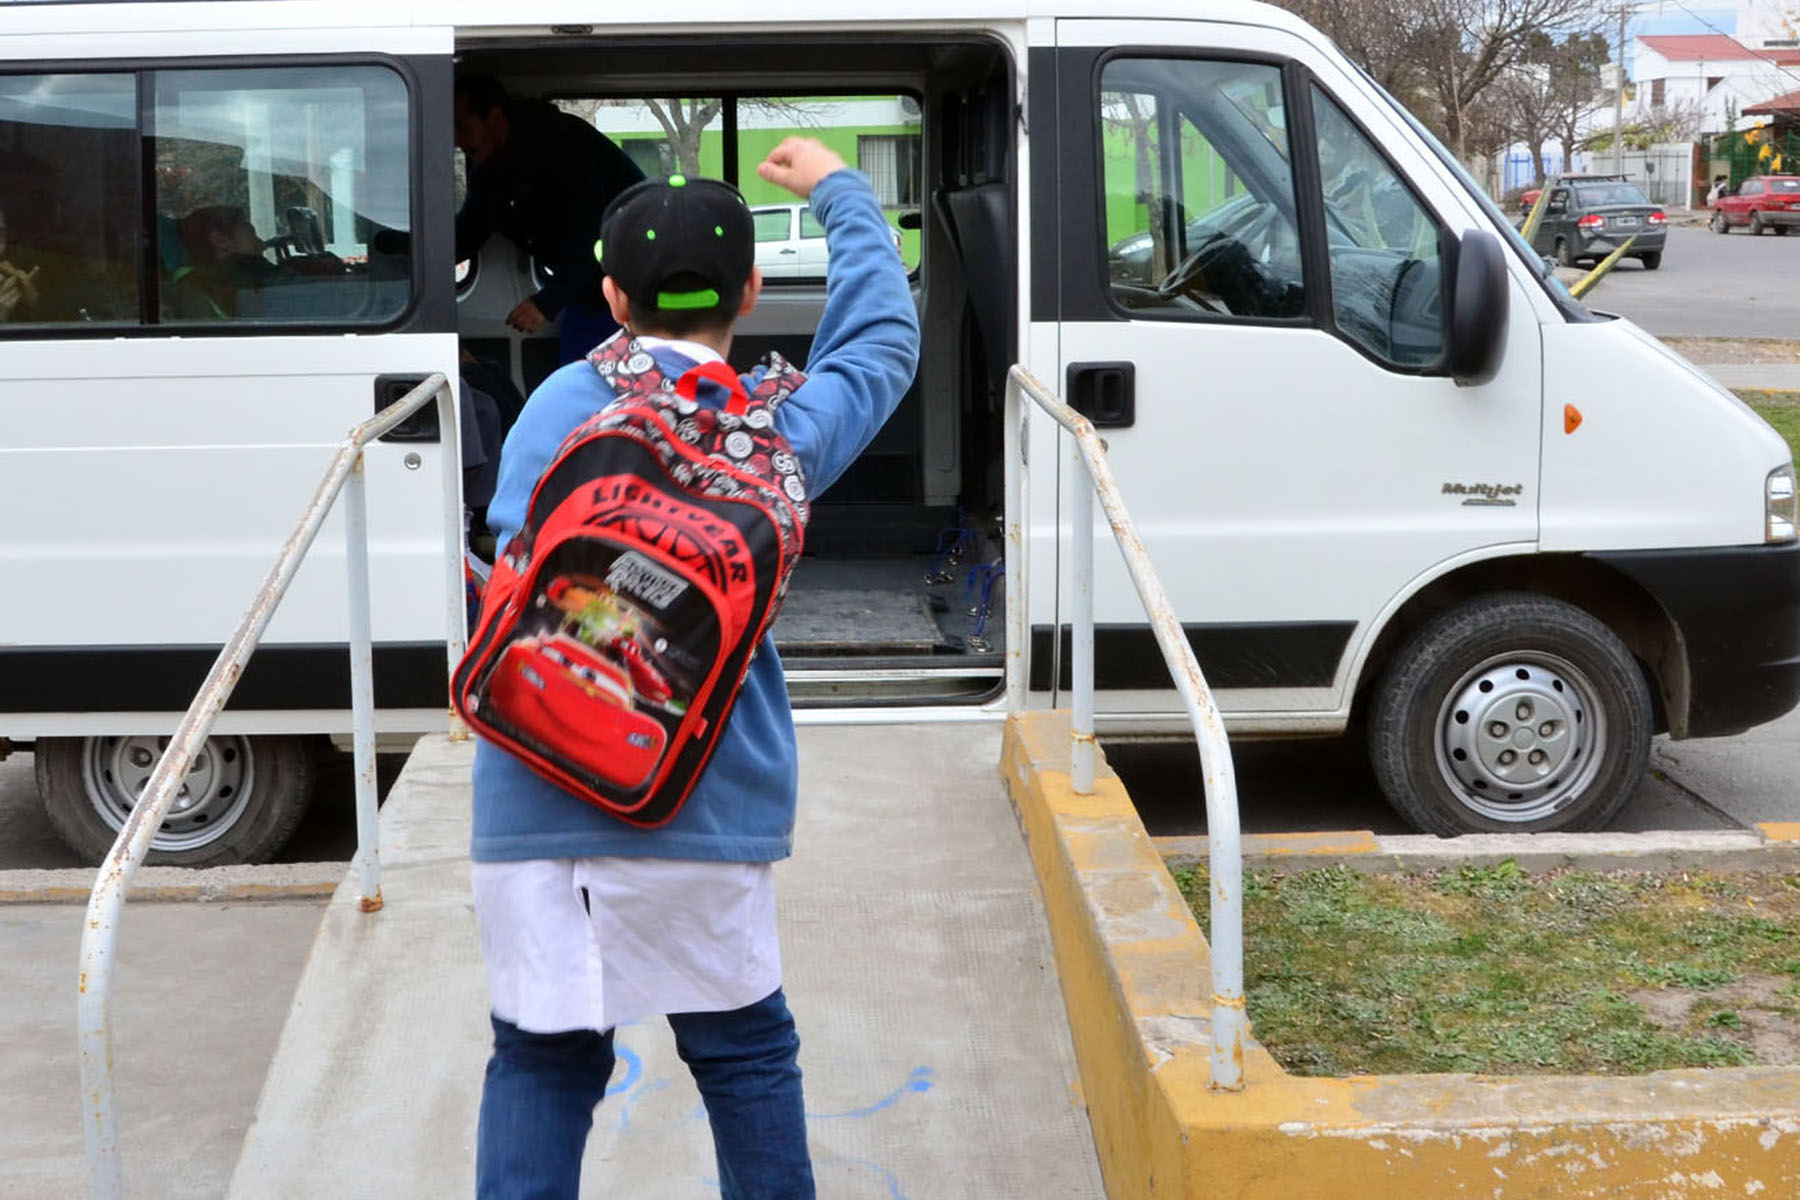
(790, 241)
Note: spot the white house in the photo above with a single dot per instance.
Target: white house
(1711, 75)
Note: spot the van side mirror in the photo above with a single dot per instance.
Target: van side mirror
(1478, 309)
(910, 219)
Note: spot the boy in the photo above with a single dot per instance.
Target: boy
(587, 922)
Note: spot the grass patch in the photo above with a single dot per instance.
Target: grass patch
(1493, 970)
(1780, 409)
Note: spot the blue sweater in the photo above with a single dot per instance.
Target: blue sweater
(742, 809)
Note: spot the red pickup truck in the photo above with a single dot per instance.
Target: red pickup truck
(1760, 202)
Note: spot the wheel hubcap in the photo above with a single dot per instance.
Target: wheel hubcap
(212, 797)
(1517, 737)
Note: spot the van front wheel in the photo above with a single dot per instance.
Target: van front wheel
(240, 801)
(1511, 714)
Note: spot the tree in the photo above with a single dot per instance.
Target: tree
(1440, 57)
(1575, 64)
(684, 121)
(1551, 91)
(1523, 95)
(1467, 45)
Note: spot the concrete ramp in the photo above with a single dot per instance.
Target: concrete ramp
(933, 1039)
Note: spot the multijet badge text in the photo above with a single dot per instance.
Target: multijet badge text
(1486, 495)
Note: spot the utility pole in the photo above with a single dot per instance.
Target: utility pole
(1619, 99)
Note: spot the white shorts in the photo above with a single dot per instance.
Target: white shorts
(590, 943)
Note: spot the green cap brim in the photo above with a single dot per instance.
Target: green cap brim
(705, 298)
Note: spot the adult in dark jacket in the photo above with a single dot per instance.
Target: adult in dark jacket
(541, 178)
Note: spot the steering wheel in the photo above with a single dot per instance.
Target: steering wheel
(1210, 252)
(1191, 268)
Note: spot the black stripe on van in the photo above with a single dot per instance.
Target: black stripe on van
(38, 679)
(1298, 654)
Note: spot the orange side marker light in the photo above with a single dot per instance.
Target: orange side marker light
(1571, 418)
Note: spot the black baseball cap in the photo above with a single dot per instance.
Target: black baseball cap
(678, 243)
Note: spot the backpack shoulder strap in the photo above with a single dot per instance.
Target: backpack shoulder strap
(629, 369)
(780, 379)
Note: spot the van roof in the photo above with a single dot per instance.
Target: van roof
(526, 16)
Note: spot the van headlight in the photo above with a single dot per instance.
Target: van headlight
(1780, 514)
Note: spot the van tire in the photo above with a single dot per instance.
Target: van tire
(1652, 260)
(249, 796)
(1514, 675)
(1719, 223)
(1565, 256)
(1756, 225)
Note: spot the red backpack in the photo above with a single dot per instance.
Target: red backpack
(620, 621)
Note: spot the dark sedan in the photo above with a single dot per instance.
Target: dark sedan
(1588, 221)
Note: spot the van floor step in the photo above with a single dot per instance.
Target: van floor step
(900, 605)
(840, 620)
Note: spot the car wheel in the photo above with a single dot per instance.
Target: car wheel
(1565, 254)
(1513, 713)
(1781, 230)
(242, 798)
(1719, 223)
(1756, 225)
(1652, 260)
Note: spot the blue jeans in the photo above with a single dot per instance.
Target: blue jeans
(538, 1102)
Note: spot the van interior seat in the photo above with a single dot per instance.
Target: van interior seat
(980, 215)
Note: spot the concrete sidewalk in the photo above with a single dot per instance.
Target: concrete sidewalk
(1774, 377)
(199, 994)
(935, 1047)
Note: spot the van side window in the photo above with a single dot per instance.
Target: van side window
(1199, 190)
(1386, 277)
(69, 212)
(282, 195)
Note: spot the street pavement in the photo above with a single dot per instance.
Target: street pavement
(1324, 785)
(1709, 286)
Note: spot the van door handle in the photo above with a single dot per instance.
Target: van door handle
(1104, 392)
(422, 426)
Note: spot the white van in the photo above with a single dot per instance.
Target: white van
(1395, 479)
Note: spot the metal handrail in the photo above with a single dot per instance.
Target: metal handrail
(1224, 848)
(99, 936)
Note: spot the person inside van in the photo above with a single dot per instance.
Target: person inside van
(540, 177)
(227, 269)
(18, 284)
(587, 922)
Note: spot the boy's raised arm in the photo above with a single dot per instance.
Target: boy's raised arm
(866, 348)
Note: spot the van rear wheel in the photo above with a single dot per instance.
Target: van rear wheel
(1511, 714)
(240, 802)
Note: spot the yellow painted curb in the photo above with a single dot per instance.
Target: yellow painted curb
(1779, 831)
(1135, 974)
